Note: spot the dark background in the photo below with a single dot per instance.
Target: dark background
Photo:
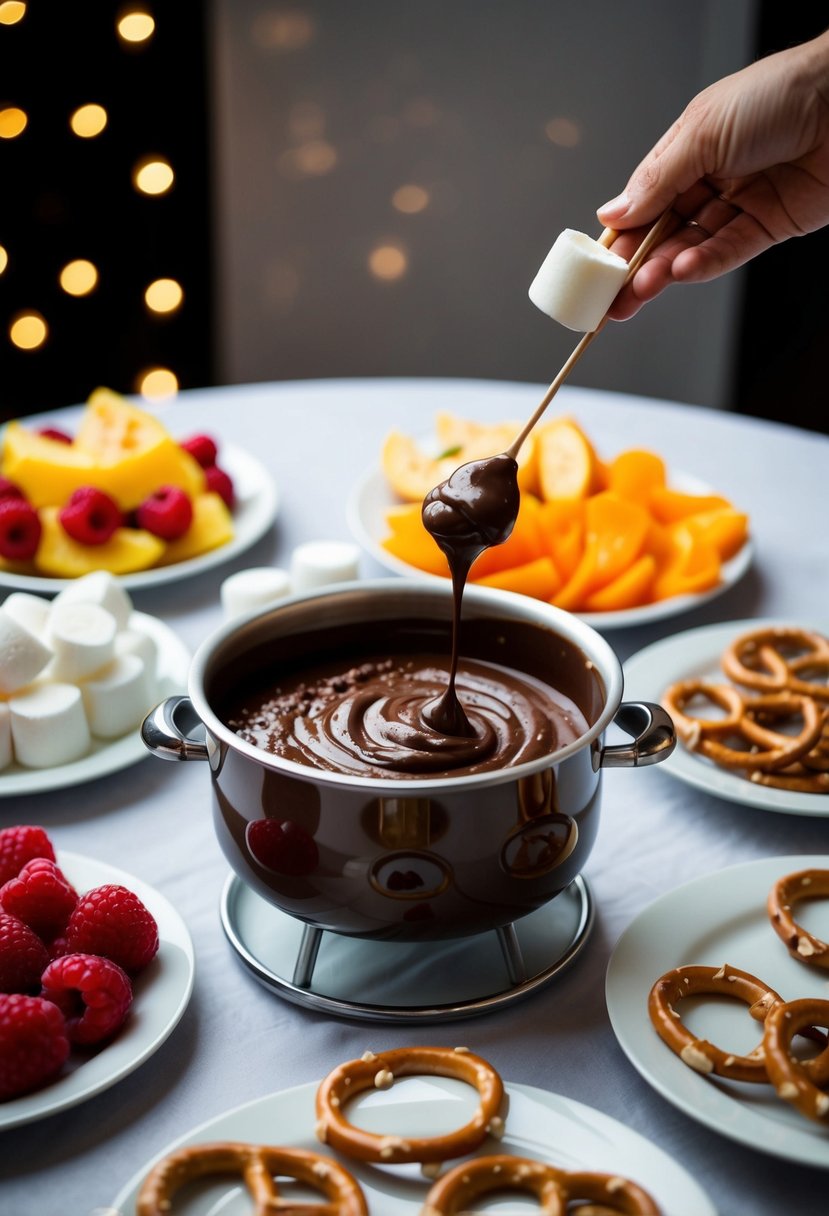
(65, 197)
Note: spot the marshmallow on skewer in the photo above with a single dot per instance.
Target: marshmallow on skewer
(119, 697)
(101, 588)
(22, 655)
(319, 562)
(82, 637)
(48, 725)
(578, 281)
(255, 588)
(29, 610)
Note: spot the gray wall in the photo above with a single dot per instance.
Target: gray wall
(323, 108)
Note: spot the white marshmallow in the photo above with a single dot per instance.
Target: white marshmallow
(578, 281)
(6, 752)
(22, 655)
(82, 637)
(142, 645)
(118, 698)
(48, 725)
(319, 562)
(101, 588)
(29, 610)
(254, 588)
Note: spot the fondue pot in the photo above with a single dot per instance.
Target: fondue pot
(406, 858)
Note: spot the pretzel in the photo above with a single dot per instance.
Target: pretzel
(257, 1164)
(462, 1185)
(796, 778)
(690, 728)
(699, 1054)
(784, 895)
(380, 1071)
(555, 1189)
(770, 749)
(790, 1077)
(754, 660)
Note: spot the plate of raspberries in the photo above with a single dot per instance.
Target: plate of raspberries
(96, 970)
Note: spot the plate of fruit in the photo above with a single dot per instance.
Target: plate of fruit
(121, 494)
(619, 540)
(97, 970)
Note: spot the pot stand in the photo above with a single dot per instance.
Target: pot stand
(405, 982)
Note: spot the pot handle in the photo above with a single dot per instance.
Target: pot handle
(168, 731)
(654, 737)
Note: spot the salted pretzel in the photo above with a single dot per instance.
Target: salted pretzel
(774, 659)
(790, 1077)
(786, 893)
(555, 1189)
(257, 1165)
(380, 1071)
(462, 1185)
(691, 728)
(699, 1054)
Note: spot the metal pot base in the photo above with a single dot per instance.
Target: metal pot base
(405, 982)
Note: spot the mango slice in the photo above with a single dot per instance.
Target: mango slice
(59, 556)
(568, 466)
(212, 526)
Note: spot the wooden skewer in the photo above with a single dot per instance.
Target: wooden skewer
(607, 238)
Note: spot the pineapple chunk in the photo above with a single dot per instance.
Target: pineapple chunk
(212, 526)
(127, 550)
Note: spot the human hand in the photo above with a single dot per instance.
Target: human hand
(744, 167)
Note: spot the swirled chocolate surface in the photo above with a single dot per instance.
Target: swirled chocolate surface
(372, 719)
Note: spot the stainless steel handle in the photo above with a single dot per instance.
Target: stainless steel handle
(654, 737)
(168, 731)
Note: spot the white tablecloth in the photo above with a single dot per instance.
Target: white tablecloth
(237, 1040)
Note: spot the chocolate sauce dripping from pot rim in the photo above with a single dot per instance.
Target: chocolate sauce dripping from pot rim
(474, 509)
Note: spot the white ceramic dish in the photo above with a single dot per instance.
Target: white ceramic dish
(256, 507)
(108, 756)
(719, 918)
(161, 993)
(696, 654)
(371, 498)
(539, 1124)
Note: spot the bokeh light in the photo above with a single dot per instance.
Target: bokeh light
(388, 262)
(28, 330)
(163, 295)
(4, 258)
(156, 383)
(13, 122)
(79, 277)
(410, 199)
(88, 121)
(12, 11)
(153, 175)
(563, 132)
(135, 24)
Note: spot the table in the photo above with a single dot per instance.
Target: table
(238, 1041)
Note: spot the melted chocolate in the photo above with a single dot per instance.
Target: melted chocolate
(369, 719)
(471, 511)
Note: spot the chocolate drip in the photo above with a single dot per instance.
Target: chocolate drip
(472, 510)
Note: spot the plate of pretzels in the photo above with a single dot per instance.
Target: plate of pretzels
(750, 703)
(451, 1133)
(717, 992)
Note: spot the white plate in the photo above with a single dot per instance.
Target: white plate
(719, 918)
(371, 498)
(539, 1124)
(696, 654)
(108, 756)
(160, 996)
(253, 513)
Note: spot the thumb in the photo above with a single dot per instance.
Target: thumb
(672, 166)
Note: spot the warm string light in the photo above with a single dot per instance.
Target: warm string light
(153, 175)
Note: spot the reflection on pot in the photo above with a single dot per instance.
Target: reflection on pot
(410, 876)
(538, 847)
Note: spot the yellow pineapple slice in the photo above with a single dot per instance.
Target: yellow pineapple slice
(212, 526)
(46, 470)
(59, 556)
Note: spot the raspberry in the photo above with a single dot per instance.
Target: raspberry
(41, 897)
(284, 847)
(19, 845)
(93, 994)
(167, 513)
(52, 432)
(33, 1043)
(219, 482)
(91, 516)
(20, 529)
(112, 921)
(23, 956)
(202, 448)
(9, 490)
